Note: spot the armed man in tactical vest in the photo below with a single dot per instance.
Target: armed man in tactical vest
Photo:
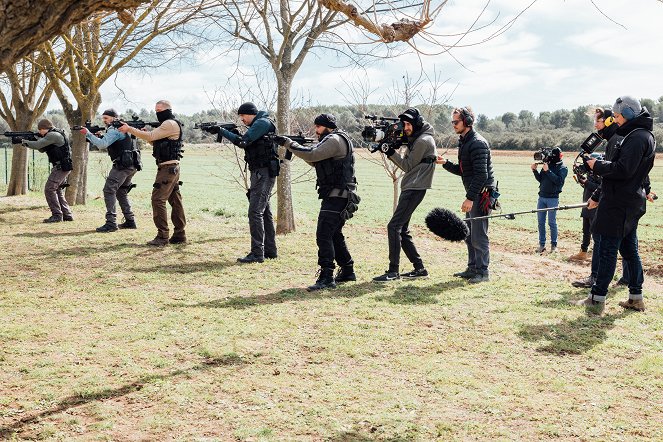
(334, 161)
(167, 150)
(54, 142)
(261, 155)
(120, 147)
(418, 163)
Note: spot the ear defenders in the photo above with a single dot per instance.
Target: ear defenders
(466, 117)
(608, 121)
(627, 112)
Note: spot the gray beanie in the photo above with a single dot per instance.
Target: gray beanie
(627, 106)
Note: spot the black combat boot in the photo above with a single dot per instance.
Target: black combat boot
(53, 219)
(108, 227)
(345, 273)
(325, 280)
(128, 224)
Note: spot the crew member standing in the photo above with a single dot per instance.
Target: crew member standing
(120, 148)
(54, 142)
(167, 150)
(418, 163)
(334, 161)
(551, 181)
(476, 169)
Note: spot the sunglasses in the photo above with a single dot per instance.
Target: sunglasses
(455, 122)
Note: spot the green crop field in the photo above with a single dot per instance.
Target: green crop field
(105, 338)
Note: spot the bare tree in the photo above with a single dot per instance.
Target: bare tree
(24, 95)
(81, 60)
(26, 24)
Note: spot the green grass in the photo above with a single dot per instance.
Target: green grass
(104, 338)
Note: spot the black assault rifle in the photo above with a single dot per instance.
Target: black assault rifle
(213, 126)
(88, 125)
(135, 122)
(18, 137)
(299, 138)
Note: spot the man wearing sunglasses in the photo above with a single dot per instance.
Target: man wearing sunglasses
(476, 169)
(621, 203)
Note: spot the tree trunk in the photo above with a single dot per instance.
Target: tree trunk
(18, 181)
(76, 193)
(285, 217)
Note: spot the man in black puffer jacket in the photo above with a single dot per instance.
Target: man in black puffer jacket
(476, 169)
(622, 202)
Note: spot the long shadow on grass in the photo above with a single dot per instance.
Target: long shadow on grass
(111, 393)
(571, 337)
(11, 209)
(413, 295)
(287, 295)
(52, 234)
(189, 267)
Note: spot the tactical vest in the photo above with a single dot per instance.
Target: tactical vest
(57, 154)
(166, 149)
(123, 145)
(334, 173)
(262, 151)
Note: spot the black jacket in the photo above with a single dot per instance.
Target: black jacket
(552, 181)
(623, 200)
(592, 183)
(474, 165)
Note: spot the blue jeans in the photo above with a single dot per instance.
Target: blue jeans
(628, 248)
(545, 203)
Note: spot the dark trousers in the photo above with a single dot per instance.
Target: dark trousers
(54, 193)
(586, 233)
(261, 221)
(596, 259)
(478, 244)
(628, 248)
(167, 189)
(329, 235)
(117, 189)
(398, 231)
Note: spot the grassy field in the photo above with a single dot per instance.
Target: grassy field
(104, 338)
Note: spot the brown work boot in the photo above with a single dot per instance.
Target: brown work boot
(580, 256)
(158, 242)
(633, 304)
(591, 307)
(586, 283)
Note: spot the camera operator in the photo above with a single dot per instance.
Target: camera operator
(333, 159)
(262, 157)
(118, 183)
(476, 169)
(418, 163)
(551, 181)
(55, 144)
(621, 203)
(167, 150)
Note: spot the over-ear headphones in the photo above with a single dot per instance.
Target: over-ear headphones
(627, 111)
(608, 121)
(466, 117)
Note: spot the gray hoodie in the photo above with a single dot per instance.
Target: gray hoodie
(421, 146)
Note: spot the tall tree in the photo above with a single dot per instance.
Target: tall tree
(80, 61)
(24, 95)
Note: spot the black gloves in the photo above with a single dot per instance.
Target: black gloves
(17, 140)
(212, 129)
(281, 140)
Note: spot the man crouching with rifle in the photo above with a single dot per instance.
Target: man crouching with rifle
(334, 161)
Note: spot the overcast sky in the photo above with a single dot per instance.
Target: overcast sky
(558, 54)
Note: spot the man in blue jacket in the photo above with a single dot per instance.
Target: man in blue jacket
(551, 180)
(261, 155)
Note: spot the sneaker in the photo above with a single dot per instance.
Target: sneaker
(67, 218)
(388, 276)
(466, 274)
(128, 224)
(633, 304)
(158, 242)
(540, 249)
(53, 219)
(416, 273)
(479, 277)
(250, 258)
(107, 228)
(591, 307)
(179, 239)
(580, 256)
(585, 283)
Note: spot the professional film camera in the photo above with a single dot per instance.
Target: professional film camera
(543, 155)
(383, 133)
(587, 148)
